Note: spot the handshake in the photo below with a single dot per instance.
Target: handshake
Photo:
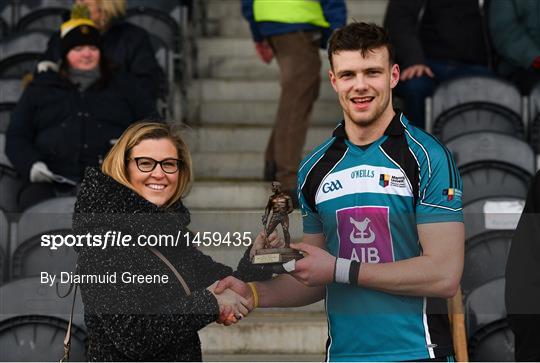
(236, 298)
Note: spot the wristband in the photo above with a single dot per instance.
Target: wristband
(343, 266)
(353, 272)
(255, 295)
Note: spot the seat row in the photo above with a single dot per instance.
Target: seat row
(492, 132)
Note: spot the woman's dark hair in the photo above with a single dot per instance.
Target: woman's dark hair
(363, 37)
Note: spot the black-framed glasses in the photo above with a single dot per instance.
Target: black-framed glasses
(146, 164)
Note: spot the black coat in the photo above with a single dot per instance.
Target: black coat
(522, 288)
(128, 47)
(144, 321)
(69, 130)
(453, 30)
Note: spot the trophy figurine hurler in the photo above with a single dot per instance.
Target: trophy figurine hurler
(280, 205)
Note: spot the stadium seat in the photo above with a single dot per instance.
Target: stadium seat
(485, 258)
(493, 344)
(484, 306)
(479, 147)
(33, 322)
(12, 89)
(18, 65)
(483, 181)
(4, 161)
(23, 42)
(5, 115)
(10, 185)
(477, 116)
(176, 9)
(46, 20)
(472, 89)
(6, 14)
(28, 256)
(165, 59)
(157, 23)
(478, 220)
(4, 244)
(4, 28)
(29, 6)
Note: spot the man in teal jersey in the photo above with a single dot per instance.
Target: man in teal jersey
(383, 224)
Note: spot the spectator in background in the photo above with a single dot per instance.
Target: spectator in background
(435, 40)
(515, 32)
(523, 279)
(293, 32)
(125, 45)
(68, 120)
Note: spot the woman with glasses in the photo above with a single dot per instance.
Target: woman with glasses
(138, 193)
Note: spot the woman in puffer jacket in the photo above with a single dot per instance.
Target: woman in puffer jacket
(138, 193)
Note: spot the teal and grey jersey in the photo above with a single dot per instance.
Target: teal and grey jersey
(368, 203)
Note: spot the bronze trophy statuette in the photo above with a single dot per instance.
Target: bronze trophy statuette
(280, 204)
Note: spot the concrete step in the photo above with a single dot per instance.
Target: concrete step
(259, 113)
(244, 139)
(247, 90)
(229, 165)
(232, 165)
(227, 195)
(228, 27)
(268, 333)
(223, 9)
(369, 10)
(250, 68)
(214, 54)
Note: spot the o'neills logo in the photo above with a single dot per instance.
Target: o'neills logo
(85, 29)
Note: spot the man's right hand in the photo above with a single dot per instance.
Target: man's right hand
(416, 70)
(264, 51)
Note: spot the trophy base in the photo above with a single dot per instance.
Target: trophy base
(274, 258)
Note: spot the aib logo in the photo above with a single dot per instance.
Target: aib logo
(331, 186)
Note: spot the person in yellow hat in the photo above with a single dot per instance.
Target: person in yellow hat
(66, 121)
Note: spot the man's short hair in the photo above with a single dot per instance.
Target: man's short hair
(363, 37)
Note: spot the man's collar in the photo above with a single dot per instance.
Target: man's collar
(395, 128)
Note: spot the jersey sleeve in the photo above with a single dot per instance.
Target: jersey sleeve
(440, 198)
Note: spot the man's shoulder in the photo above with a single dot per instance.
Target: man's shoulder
(425, 146)
(314, 156)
